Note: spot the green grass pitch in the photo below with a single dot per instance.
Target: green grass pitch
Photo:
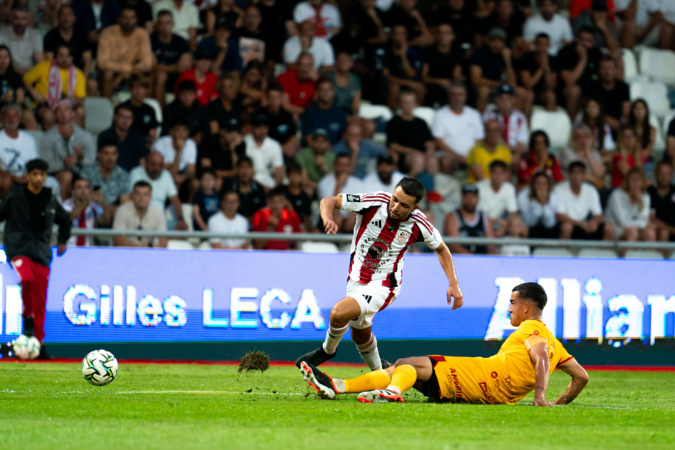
(174, 406)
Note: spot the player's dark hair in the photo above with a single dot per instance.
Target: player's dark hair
(413, 187)
(207, 172)
(322, 80)
(586, 29)
(37, 164)
(142, 184)
(293, 167)
(106, 143)
(498, 163)
(77, 178)
(279, 191)
(576, 165)
(164, 12)
(274, 86)
(122, 106)
(226, 193)
(244, 160)
(532, 291)
(535, 135)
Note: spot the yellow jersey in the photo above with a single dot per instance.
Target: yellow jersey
(479, 155)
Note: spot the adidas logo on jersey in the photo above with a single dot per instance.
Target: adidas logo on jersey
(368, 298)
(377, 223)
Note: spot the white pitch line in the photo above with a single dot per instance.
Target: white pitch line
(186, 392)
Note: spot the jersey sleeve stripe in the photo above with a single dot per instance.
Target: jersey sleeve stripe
(371, 198)
(425, 224)
(565, 361)
(422, 218)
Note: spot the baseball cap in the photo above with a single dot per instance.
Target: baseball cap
(505, 89)
(498, 33)
(320, 132)
(260, 119)
(232, 124)
(469, 188)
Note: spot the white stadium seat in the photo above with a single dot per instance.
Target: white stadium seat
(630, 68)
(655, 94)
(318, 247)
(556, 124)
(374, 112)
(425, 113)
(660, 144)
(659, 65)
(176, 244)
(99, 114)
(666, 122)
(643, 254)
(597, 253)
(552, 251)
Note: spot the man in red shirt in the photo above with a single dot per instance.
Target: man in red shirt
(299, 85)
(276, 218)
(202, 77)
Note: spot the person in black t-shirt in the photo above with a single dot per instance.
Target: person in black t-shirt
(297, 197)
(145, 118)
(282, 125)
(172, 55)
(12, 89)
(403, 67)
(206, 201)
(577, 67)
(459, 15)
(662, 205)
(537, 73)
(490, 67)
(509, 19)
(405, 12)
(469, 221)
(442, 66)
(67, 34)
(610, 92)
(220, 152)
(185, 107)
(251, 194)
(225, 108)
(409, 138)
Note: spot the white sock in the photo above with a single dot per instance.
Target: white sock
(370, 353)
(333, 338)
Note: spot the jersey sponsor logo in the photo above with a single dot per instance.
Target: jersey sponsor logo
(403, 236)
(353, 198)
(486, 392)
(494, 374)
(535, 332)
(453, 380)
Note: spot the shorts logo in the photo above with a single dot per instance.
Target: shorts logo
(368, 298)
(353, 198)
(403, 236)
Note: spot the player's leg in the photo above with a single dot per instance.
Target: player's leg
(366, 344)
(328, 387)
(24, 268)
(407, 373)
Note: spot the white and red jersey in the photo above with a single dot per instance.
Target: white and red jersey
(514, 126)
(380, 242)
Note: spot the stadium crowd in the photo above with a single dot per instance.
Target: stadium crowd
(251, 110)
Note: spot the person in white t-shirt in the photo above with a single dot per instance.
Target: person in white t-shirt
(457, 127)
(628, 209)
(647, 26)
(227, 220)
(497, 197)
(324, 17)
(179, 151)
(265, 152)
(384, 178)
(16, 148)
(306, 42)
(549, 22)
(579, 210)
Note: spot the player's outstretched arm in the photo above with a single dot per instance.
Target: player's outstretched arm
(579, 380)
(539, 357)
(327, 206)
(445, 258)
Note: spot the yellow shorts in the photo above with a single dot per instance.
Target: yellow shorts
(464, 380)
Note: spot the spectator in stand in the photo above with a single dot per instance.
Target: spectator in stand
(220, 152)
(225, 108)
(442, 65)
(306, 41)
(66, 147)
(325, 17)
(458, 14)
(548, 21)
(361, 151)
(340, 181)
(172, 56)
(275, 218)
(297, 197)
(12, 89)
(538, 206)
(145, 118)
(50, 81)
(457, 127)
(255, 43)
(185, 107)
(638, 119)
(185, 16)
(251, 195)
(66, 33)
(265, 153)
(364, 24)
(251, 94)
(88, 210)
(23, 41)
(486, 151)
(626, 156)
(282, 125)
(227, 59)
(643, 23)
(581, 149)
(123, 50)
(108, 176)
(489, 66)
(579, 210)
(228, 220)
(347, 84)
(510, 19)
(537, 70)
(445, 196)
(662, 202)
(324, 113)
(143, 12)
(384, 178)
(610, 92)
(129, 142)
(16, 148)
(469, 221)
(403, 68)
(299, 85)
(628, 209)
(669, 156)
(222, 12)
(594, 118)
(139, 214)
(577, 65)
(410, 140)
(205, 202)
(515, 132)
(180, 156)
(497, 196)
(200, 74)
(316, 160)
(538, 160)
(405, 12)
(92, 16)
(163, 187)
(603, 29)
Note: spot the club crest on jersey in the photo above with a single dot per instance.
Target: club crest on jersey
(353, 198)
(403, 236)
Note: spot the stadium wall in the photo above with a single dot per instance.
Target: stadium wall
(216, 305)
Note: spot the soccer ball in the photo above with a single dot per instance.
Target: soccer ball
(99, 367)
(26, 347)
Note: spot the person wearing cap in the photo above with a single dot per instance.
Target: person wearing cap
(283, 128)
(536, 69)
(225, 50)
(384, 178)
(200, 74)
(30, 211)
(469, 221)
(597, 18)
(490, 65)
(171, 56)
(185, 107)
(66, 147)
(16, 148)
(488, 150)
(145, 118)
(548, 21)
(515, 131)
(324, 113)
(266, 153)
(316, 160)
(123, 50)
(306, 41)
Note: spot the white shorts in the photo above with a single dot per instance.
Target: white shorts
(371, 298)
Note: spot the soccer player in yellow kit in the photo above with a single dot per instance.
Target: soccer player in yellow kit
(524, 362)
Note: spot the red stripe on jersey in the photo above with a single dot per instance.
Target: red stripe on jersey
(377, 195)
(372, 198)
(425, 223)
(391, 282)
(376, 250)
(388, 300)
(422, 218)
(365, 220)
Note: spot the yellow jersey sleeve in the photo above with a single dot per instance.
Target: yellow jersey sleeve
(80, 85)
(560, 355)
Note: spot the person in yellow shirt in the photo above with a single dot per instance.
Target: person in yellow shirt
(522, 365)
(491, 148)
(50, 81)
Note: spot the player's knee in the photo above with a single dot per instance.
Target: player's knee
(405, 361)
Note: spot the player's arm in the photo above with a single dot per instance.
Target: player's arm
(327, 206)
(542, 365)
(445, 258)
(579, 380)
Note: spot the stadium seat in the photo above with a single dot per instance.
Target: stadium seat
(374, 112)
(597, 253)
(660, 143)
(655, 94)
(556, 124)
(666, 122)
(425, 113)
(318, 247)
(37, 136)
(120, 97)
(630, 68)
(187, 215)
(205, 245)
(99, 114)
(176, 244)
(157, 107)
(552, 251)
(659, 65)
(643, 254)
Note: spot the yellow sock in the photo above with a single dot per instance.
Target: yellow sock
(404, 378)
(377, 379)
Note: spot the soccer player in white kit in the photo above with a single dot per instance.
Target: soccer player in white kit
(386, 225)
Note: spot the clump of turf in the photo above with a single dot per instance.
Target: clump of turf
(254, 361)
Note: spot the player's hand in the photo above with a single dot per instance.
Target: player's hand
(541, 402)
(61, 249)
(330, 227)
(456, 292)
